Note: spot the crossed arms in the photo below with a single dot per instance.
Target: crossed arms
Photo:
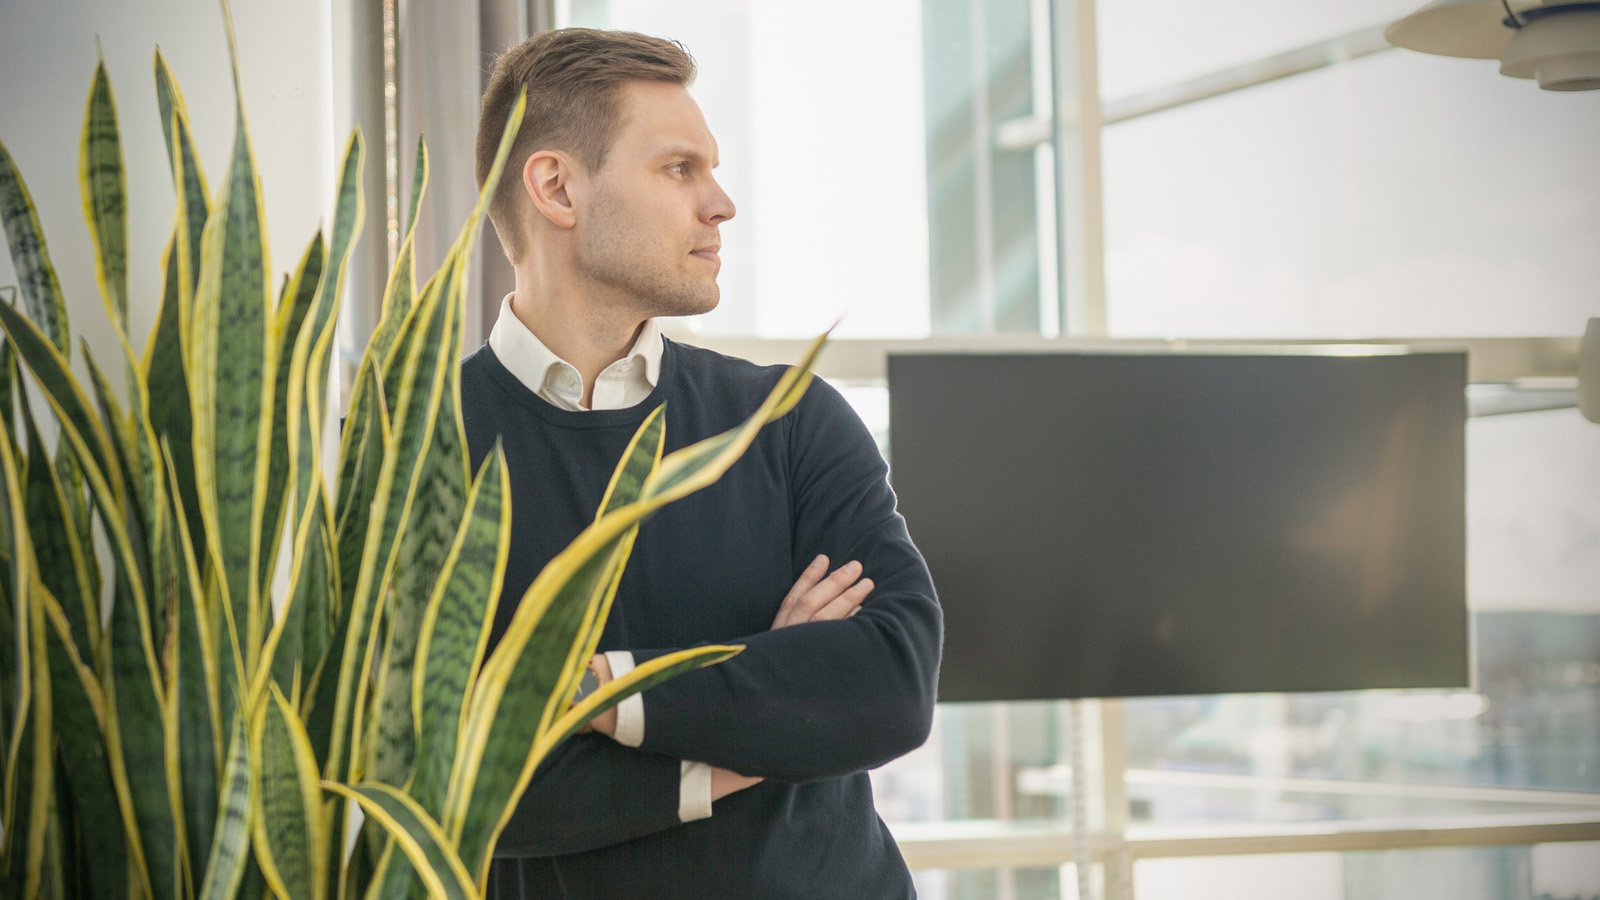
(842, 681)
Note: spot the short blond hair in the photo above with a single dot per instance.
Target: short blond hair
(574, 78)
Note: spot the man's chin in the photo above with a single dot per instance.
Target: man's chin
(689, 305)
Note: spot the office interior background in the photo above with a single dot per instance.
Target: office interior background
(999, 175)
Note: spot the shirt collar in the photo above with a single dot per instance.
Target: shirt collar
(526, 357)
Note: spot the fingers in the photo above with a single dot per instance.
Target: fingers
(807, 580)
(815, 598)
(846, 604)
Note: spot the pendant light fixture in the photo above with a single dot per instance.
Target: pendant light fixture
(1556, 42)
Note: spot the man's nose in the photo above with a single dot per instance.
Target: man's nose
(718, 207)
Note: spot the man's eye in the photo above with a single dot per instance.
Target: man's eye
(679, 168)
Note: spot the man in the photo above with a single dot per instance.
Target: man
(745, 779)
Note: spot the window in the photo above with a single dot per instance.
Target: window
(895, 161)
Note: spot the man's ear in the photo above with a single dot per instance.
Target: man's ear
(546, 176)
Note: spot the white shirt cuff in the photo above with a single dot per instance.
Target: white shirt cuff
(694, 791)
(630, 712)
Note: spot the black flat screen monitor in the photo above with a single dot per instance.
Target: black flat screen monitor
(1112, 525)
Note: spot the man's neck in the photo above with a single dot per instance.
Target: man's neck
(588, 335)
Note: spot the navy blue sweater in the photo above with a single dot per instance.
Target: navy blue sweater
(809, 708)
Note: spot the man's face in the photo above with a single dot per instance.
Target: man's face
(649, 226)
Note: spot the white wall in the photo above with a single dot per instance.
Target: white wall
(47, 60)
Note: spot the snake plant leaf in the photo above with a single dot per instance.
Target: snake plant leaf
(417, 835)
(360, 463)
(438, 508)
(170, 414)
(309, 577)
(440, 500)
(35, 792)
(288, 825)
(134, 693)
(189, 180)
(56, 546)
(85, 433)
(193, 691)
(168, 387)
(21, 559)
(419, 185)
(230, 844)
(296, 637)
(229, 385)
(420, 363)
(288, 322)
(89, 445)
(628, 481)
(416, 409)
(367, 431)
(453, 637)
(137, 470)
(41, 290)
(349, 212)
(400, 291)
(454, 634)
(80, 717)
(541, 674)
(608, 696)
(24, 795)
(105, 195)
(9, 385)
(553, 655)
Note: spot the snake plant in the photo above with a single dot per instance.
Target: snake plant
(184, 714)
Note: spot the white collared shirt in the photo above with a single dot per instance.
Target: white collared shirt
(624, 383)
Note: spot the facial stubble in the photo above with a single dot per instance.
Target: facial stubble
(620, 252)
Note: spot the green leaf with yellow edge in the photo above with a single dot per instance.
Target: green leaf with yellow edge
(366, 433)
(28, 776)
(543, 676)
(310, 583)
(41, 290)
(288, 323)
(84, 432)
(288, 827)
(416, 410)
(194, 205)
(164, 366)
(437, 509)
(230, 389)
(86, 769)
(318, 335)
(105, 196)
(193, 689)
(453, 637)
(455, 632)
(606, 697)
(61, 556)
(230, 844)
(135, 696)
(417, 835)
(400, 291)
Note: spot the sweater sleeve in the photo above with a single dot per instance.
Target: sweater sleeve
(821, 699)
(592, 792)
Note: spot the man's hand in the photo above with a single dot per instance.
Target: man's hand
(815, 598)
(724, 782)
(606, 722)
